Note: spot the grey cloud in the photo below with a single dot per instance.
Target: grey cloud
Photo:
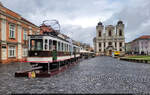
(78, 33)
(134, 13)
(71, 8)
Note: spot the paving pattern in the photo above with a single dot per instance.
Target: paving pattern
(95, 75)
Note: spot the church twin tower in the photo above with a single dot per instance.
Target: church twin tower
(109, 38)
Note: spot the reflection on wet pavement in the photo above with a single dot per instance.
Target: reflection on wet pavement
(96, 75)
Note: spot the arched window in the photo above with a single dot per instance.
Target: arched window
(110, 43)
(100, 45)
(100, 34)
(120, 32)
(99, 50)
(120, 44)
(115, 44)
(109, 33)
(120, 49)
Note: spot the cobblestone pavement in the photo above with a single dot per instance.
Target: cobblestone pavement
(95, 75)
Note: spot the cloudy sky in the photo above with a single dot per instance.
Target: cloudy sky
(78, 18)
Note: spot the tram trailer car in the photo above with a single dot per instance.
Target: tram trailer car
(86, 54)
(48, 49)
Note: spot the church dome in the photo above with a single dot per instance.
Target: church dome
(100, 23)
(120, 22)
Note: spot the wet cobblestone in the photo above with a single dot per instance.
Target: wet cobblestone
(96, 75)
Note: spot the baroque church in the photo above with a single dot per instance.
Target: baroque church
(109, 38)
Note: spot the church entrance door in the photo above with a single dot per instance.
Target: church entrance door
(110, 52)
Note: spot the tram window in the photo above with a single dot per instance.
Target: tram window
(46, 46)
(58, 46)
(37, 44)
(74, 49)
(77, 49)
(55, 44)
(67, 47)
(45, 40)
(62, 46)
(32, 45)
(50, 44)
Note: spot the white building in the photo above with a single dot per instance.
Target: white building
(141, 45)
(109, 38)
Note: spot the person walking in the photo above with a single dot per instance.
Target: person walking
(54, 54)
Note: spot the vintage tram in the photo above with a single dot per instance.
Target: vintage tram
(51, 51)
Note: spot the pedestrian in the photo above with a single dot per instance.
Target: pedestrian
(54, 53)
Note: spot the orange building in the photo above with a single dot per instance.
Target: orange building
(14, 31)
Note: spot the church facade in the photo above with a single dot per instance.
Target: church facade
(109, 38)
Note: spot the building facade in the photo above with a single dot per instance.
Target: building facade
(141, 45)
(14, 31)
(128, 49)
(109, 38)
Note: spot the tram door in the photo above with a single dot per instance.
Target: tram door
(54, 44)
(54, 50)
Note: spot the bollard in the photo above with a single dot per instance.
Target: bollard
(31, 74)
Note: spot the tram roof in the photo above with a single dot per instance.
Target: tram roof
(51, 36)
(54, 37)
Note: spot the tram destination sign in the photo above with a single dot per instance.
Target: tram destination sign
(36, 37)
